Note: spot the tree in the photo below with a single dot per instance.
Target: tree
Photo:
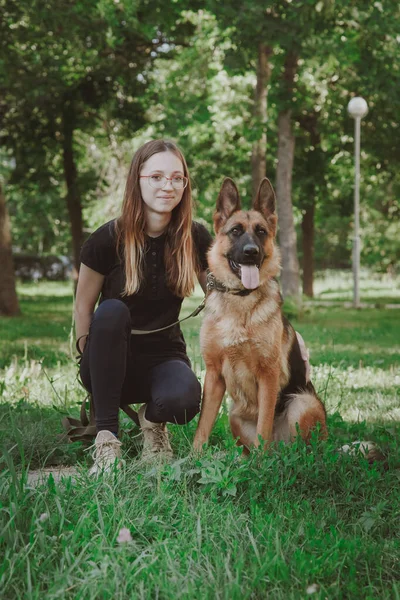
(86, 68)
(195, 101)
(356, 58)
(9, 306)
(259, 151)
(286, 143)
(312, 182)
(284, 28)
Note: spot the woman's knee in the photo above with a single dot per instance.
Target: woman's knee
(111, 318)
(176, 403)
(173, 409)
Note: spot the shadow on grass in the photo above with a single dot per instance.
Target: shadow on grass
(32, 435)
(33, 431)
(40, 333)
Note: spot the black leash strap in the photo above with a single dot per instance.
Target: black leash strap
(193, 314)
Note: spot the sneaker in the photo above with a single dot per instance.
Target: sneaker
(155, 438)
(107, 453)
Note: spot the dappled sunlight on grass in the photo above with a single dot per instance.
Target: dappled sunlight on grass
(50, 289)
(30, 381)
(338, 285)
(373, 410)
(348, 337)
(359, 394)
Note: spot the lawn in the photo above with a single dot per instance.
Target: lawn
(297, 522)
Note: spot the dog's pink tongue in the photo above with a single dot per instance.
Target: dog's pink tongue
(250, 276)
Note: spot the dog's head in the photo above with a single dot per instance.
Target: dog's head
(244, 248)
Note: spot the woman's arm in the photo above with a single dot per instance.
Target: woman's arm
(87, 293)
(202, 277)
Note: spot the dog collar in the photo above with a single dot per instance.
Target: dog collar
(214, 284)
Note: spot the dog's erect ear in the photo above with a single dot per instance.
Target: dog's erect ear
(228, 202)
(264, 201)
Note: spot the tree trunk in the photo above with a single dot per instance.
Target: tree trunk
(70, 172)
(316, 167)
(287, 233)
(259, 151)
(307, 226)
(9, 306)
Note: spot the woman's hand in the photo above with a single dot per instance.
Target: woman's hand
(87, 293)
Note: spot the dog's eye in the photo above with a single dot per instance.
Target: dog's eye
(236, 231)
(261, 231)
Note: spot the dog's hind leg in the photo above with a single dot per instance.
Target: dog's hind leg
(244, 430)
(303, 412)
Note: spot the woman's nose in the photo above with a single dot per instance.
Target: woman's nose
(168, 182)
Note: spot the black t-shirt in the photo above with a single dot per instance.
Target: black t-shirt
(154, 305)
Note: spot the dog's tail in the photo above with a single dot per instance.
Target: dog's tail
(304, 410)
(367, 449)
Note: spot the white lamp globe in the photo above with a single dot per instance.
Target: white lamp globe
(357, 107)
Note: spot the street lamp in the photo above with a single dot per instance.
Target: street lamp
(357, 108)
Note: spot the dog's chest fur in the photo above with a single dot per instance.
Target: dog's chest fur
(237, 321)
(244, 336)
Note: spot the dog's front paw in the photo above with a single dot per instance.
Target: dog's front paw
(199, 445)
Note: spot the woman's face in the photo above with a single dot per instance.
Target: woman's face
(162, 200)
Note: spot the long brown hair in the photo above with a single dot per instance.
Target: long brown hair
(179, 258)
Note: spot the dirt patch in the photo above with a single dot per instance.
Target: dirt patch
(58, 473)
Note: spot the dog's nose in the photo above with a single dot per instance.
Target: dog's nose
(250, 250)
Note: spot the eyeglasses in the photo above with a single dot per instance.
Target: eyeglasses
(159, 181)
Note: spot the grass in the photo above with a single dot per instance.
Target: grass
(375, 288)
(43, 331)
(293, 523)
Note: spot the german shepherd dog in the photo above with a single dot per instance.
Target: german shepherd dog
(249, 347)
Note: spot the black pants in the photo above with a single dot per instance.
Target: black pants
(111, 373)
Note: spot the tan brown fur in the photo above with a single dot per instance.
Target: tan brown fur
(244, 342)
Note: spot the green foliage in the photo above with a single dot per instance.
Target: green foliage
(195, 102)
(62, 82)
(144, 72)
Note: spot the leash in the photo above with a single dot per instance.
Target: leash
(193, 314)
(145, 332)
(212, 284)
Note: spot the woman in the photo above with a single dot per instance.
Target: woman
(143, 264)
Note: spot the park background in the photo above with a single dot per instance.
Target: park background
(246, 89)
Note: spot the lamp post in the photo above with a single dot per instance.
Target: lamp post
(357, 108)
